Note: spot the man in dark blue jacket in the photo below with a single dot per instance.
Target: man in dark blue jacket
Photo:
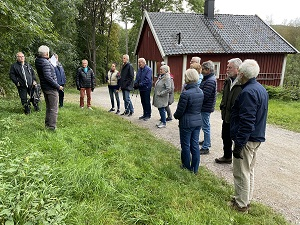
(209, 88)
(143, 82)
(49, 86)
(61, 80)
(247, 130)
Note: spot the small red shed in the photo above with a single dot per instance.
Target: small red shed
(176, 37)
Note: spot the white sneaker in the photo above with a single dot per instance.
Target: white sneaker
(81, 107)
(90, 108)
(161, 125)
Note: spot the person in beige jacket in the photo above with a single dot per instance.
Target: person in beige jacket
(161, 94)
(112, 78)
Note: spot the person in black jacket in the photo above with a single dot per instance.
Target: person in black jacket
(126, 85)
(231, 90)
(22, 74)
(188, 113)
(209, 88)
(49, 86)
(85, 82)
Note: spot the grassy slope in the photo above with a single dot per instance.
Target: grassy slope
(100, 169)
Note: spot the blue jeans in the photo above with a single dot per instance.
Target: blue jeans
(112, 92)
(146, 102)
(206, 129)
(162, 113)
(127, 102)
(189, 141)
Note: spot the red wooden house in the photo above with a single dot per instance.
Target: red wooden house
(176, 37)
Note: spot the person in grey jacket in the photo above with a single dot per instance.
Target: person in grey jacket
(85, 82)
(22, 74)
(49, 86)
(161, 94)
(231, 90)
(188, 113)
(112, 79)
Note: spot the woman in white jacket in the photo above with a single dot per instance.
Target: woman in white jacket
(112, 78)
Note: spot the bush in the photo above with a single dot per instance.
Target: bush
(283, 93)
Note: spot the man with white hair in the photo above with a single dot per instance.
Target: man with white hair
(143, 82)
(49, 86)
(247, 130)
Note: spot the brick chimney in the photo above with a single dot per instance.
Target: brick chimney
(209, 8)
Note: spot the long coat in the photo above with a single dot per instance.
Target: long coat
(161, 91)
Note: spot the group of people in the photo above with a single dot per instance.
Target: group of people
(52, 80)
(244, 108)
(163, 91)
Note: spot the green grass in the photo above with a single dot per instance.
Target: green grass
(98, 168)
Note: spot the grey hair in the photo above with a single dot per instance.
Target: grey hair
(196, 58)
(142, 59)
(126, 56)
(210, 65)
(165, 68)
(43, 50)
(249, 68)
(236, 62)
(191, 76)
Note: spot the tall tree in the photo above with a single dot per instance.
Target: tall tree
(22, 24)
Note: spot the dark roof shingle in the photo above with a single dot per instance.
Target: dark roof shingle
(223, 34)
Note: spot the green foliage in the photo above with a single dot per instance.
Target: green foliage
(98, 169)
(286, 94)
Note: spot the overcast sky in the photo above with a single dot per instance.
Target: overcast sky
(280, 11)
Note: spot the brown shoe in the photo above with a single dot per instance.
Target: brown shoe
(235, 206)
(223, 160)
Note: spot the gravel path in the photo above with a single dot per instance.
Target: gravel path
(277, 181)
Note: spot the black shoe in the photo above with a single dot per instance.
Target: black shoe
(223, 160)
(124, 113)
(201, 143)
(37, 108)
(169, 119)
(146, 118)
(111, 110)
(204, 151)
(142, 117)
(118, 111)
(130, 114)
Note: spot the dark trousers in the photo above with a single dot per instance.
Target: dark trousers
(227, 142)
(146, 103)
(61, 94)
(23, 93)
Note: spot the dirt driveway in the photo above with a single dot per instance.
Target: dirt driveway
(277, 181)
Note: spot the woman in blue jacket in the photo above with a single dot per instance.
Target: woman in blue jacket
(188, 113)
